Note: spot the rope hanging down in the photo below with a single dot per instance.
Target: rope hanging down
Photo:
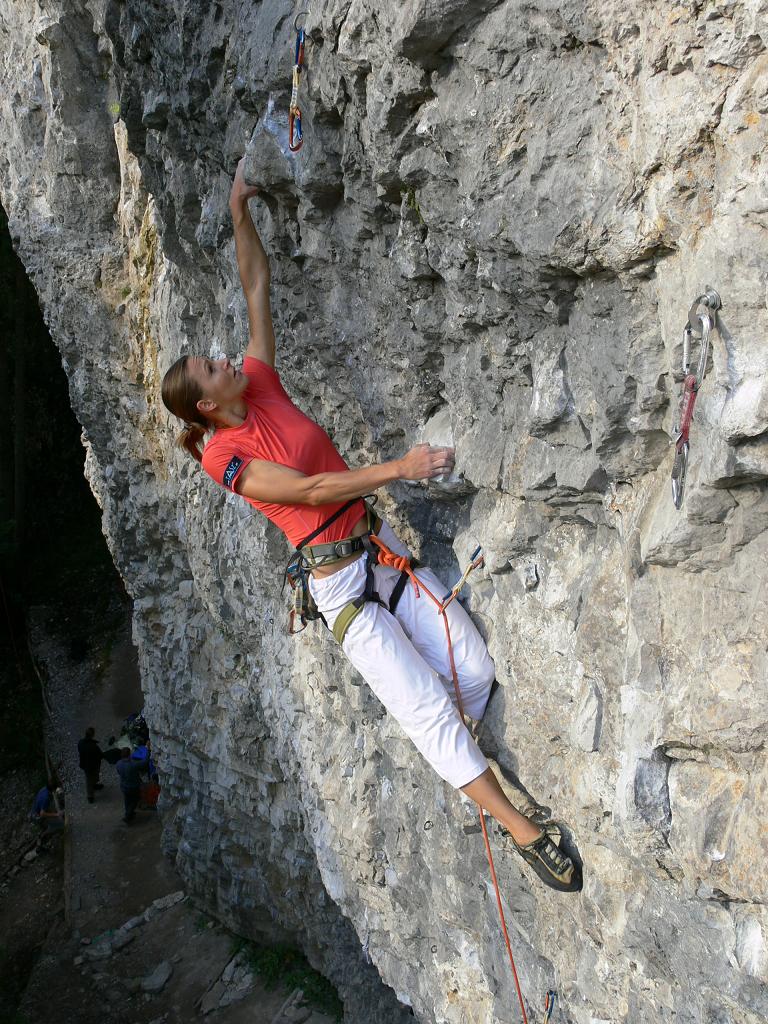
(295, 137)
(702, 318)
(401, 564)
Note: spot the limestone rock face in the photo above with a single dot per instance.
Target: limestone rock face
(498, 221)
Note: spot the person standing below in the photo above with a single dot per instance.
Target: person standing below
(90, 762)
(45, 810)
(130, 783)
(47, 814)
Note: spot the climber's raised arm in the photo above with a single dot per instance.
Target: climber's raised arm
(253, 265)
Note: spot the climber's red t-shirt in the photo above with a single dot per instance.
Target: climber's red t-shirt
(274, 430)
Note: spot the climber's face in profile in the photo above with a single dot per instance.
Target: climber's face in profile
(220, 383)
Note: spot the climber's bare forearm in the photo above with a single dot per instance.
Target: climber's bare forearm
(252, 260)
(281, 485)
(253, 267)
(266, 481)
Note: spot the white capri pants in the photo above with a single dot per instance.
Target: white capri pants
(404, 659)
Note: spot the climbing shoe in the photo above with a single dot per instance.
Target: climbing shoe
(553, 867)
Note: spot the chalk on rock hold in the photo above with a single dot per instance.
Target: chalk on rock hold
(439, 432)
(269, 161)
(158, 979)
(531, 577)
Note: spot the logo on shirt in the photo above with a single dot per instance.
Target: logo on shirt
(231, 471)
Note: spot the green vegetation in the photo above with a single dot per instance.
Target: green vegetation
(413, 203)
(286, 966)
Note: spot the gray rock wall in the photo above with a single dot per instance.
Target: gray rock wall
(499, 218)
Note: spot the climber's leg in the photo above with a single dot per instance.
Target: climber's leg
(488, 794)
(413, 693)
(417, 698)
(534, 845)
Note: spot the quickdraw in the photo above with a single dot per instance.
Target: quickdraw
(701, 320)
(549, 1005)
(303, 608)
(475, 561)
(295, 136)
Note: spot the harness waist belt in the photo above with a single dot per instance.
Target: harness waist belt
(316, 555)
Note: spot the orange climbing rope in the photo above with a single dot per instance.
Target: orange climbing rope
(402, 564)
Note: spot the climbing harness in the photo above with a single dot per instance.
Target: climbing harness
(702, 319)
(309, 556)
(295, 136)
(303, 607)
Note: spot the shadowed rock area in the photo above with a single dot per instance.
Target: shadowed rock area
(493, 234)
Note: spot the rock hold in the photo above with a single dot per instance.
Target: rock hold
(157, 980)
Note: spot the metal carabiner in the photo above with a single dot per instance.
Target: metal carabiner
(679, 469)
(299, 52)
(295, 135)
(302, 14)
(699, 326)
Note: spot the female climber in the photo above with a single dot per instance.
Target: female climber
(263, 448)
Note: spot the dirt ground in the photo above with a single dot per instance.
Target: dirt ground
(97, 925)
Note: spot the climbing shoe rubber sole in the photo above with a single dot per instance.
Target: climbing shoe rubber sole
(552, 866)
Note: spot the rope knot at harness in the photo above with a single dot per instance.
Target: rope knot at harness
(399, 562)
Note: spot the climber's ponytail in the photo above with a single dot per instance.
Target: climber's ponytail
(191, 438)
(180, 396)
